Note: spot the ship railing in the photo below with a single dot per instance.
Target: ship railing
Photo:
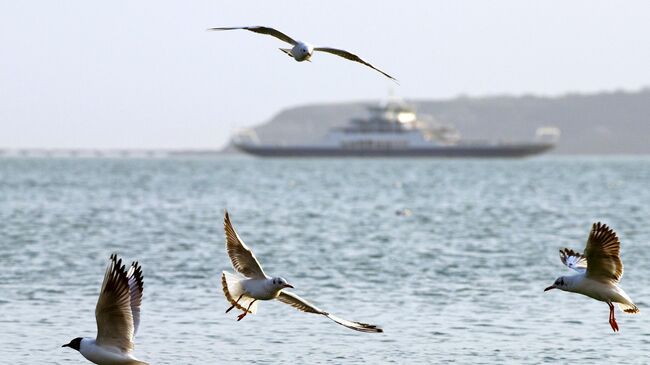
(550, 134)
(245, 136)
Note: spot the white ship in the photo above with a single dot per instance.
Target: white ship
(394, 130)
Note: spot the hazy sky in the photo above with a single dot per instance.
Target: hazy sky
(146, 74)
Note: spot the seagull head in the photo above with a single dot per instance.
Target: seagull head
(74, 344)
(302, 51)
(281, 283)
(560, 283)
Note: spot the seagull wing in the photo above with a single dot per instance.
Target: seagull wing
(303, 305)
(352, 57)
(136, 286)
(263, 30)
(242, 257)
(113, 312)
(574, 260)
(602, 253)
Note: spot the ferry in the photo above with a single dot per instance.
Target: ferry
(393, 129)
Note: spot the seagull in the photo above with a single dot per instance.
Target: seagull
(302, 51)
(599, 271)
(118, 316)
(243, 293)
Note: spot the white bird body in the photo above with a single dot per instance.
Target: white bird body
(300, 52)
(303, 51)
(106, 355)
(260, 289)
(599, 271)
(243, 293)
(598, 290)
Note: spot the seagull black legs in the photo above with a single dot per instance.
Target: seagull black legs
(233, 306)
(612, 320)
(239, 317)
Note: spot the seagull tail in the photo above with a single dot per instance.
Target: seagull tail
(357, 326)
(287, 51)
(233, 290)
(630, 308)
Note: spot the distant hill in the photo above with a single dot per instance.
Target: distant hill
(603, 123)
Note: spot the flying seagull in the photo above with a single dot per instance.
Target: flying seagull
(599, 271)
(118, 316)
(303, 51)
(243, 293)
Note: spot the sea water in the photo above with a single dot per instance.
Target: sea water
(450, 257)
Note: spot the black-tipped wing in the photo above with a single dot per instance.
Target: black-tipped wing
(602, 253)
(352, 57)
(242, 257)
(113, 311)
(136, 287)
(303, 305)
(574, 260)
(263, 30)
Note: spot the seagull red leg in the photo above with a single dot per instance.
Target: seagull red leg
(612, 319)
(239, 317)
(233, 306)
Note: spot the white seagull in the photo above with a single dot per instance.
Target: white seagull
(600, 269)
(302, 51)
(244, 293)
(118, 316)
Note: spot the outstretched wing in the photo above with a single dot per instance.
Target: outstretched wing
(352, 57)
(263, 30)
(574, 260)
(303, 305)
(602, 253)
(136, 286)
(113, 311)
(242, 257)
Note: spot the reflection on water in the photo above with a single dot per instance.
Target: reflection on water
(459, 278)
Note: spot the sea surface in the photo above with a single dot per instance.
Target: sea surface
(450, 257)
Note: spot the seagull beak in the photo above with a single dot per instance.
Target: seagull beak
(288, 286)
(66, 345)
(549, 288)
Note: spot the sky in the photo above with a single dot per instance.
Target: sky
(146, 74)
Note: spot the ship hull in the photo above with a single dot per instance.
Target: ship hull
(457, 151)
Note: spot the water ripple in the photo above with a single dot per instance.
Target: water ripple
(459, 280)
